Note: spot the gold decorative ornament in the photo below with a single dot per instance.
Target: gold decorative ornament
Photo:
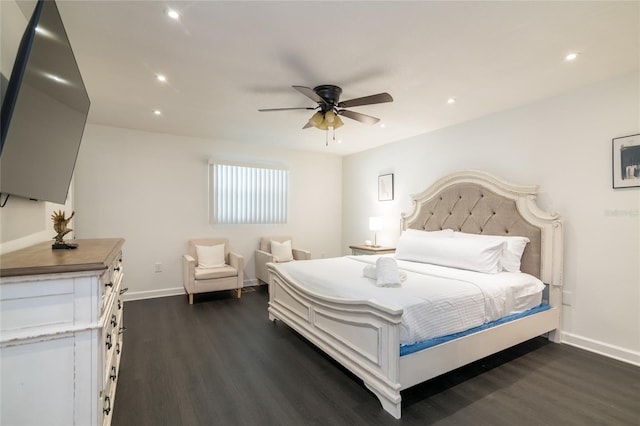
(60, 226)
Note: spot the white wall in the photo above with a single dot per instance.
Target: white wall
(151, 189)
(563, 144)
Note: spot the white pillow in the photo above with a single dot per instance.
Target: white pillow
(210, 256)
(510, 261)
(281, 251)
(444, 233)
(471, 254)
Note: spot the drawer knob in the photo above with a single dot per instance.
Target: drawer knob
(113, 373)
(116, 269)
(114, 321)
(117, 348)
(108, 343)
(122, 330)
(124, 290)
(107, 405)
(109, 284)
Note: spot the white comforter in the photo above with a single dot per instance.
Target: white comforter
(436, 300)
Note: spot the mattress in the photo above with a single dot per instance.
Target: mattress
(424, 344)
(436, 300)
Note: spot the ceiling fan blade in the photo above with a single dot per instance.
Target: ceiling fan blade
(306, 126)
(308, 92)
(283, 109)
(380, 98)
(363, 118)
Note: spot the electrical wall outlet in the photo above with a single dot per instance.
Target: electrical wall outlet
(158, 267)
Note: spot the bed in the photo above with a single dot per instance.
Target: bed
(364, 334)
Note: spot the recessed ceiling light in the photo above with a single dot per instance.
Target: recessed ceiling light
(571, 57)
(161, 78)
(173, 14)
(451, 101)
(382, 125)
(339, 140)
(157, 112)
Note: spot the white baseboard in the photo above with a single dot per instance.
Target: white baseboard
(165, 292)
(152, 294)
(611, 351)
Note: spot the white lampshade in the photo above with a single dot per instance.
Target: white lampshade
(375, 223)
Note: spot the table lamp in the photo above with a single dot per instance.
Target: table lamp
(375, 225)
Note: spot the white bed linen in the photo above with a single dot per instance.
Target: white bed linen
(436, 300)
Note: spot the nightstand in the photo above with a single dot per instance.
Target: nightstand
(358, 249)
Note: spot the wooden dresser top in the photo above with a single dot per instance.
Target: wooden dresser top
(91, 255)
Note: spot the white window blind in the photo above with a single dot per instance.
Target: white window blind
(241, 193)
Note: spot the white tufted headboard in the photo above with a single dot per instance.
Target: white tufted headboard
(479, 203)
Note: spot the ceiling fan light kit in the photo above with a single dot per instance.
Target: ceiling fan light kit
(323, 122)
(327, 97)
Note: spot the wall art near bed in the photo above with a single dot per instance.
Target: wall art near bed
(626, 161)
(385, 187)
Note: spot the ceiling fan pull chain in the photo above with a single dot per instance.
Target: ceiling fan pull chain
(326, 138)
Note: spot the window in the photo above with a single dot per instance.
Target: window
(246, 193)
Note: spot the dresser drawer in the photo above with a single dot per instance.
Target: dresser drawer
(110, 280)
(106, 403)
(112, 333)
(111, 367)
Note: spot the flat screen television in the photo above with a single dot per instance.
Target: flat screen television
(44, 112)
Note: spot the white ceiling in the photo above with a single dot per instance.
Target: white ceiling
(225, 60)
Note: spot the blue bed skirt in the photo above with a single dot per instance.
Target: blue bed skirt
(415, 347)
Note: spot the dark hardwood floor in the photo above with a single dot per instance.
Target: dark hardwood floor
(222, 362)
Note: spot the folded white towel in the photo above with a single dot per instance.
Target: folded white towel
(370, 272)
(387, 272)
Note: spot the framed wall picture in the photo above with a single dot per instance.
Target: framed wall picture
(385, 187)
(626, 161)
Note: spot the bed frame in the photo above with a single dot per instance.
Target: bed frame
(364, 336)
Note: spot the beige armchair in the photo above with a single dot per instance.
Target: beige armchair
(264, 256)
(228, 275)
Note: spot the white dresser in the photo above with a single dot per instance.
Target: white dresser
(61, 328)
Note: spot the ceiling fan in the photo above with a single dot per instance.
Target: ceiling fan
(330, 108)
